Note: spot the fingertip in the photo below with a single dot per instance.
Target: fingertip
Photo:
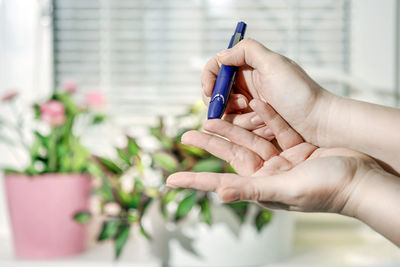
(187, 136)
(241, 102)
(172, 181)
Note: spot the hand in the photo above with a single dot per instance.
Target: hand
(293, 175)
(266, 75)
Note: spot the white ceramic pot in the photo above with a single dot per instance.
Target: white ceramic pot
(225, 243)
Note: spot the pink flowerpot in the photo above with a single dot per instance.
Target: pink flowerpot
(41, 213)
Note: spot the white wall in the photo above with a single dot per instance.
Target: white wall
(24, 64)
(373, 26)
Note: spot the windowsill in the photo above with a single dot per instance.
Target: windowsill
(327, 240)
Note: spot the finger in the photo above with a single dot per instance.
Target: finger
(299, 153)
(284, 134)
(277, 164)
(231, 187)
(236, 103)
(204, 181)
(244, 161)
(248, 52)
(264, 132)
(245, 120)
(259, 189)
(206, 99)
(209, 75)
(242, 137)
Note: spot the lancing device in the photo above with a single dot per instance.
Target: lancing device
(225, 78)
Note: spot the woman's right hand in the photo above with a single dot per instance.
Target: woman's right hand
(277, 80)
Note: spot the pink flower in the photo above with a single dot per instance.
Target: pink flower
(8, 96)
(53, 112)
(69, 86)
(95, 100)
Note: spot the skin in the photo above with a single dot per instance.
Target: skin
(294, 144)
(321, 118)
(294, 174)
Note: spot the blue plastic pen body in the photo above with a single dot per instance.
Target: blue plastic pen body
(224, 81)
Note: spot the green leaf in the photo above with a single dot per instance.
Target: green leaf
(132, 218)
(120, 239)
(155, 131)
(98, 118)
(205, 210)
(109, 230)
(169, 196)
(144, 232)
(111, 166)
(133, 146)
(43, 140)
(124, 156)
(166, 161)
(94, 169)
(106, 190)
(192, 150)
(138, 187)
(167, 142)
(263, 218)
(124, 197)
(36, 110)
(82, 217)
(186, 205)
(240, 209)
(134, 201)
(208, 165)
(229, 169)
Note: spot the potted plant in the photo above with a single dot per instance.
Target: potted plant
(44, 195)
(203, 231)
(186, 227)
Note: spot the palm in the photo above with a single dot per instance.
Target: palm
(311, 177)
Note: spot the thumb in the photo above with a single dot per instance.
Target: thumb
(247, 52)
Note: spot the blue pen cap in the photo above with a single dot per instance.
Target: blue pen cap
(241, 28)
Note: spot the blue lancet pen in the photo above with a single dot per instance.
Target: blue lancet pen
(225, 78)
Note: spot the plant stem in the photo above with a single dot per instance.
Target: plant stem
(53, 150)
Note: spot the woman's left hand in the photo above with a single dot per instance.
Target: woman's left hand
(290, 174)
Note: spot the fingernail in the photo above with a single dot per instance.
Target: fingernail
(230, 195)
(171, 182)
(242, 103)
(256, 120)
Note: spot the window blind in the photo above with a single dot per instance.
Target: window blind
(147, 55)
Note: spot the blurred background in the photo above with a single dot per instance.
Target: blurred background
(146, 56)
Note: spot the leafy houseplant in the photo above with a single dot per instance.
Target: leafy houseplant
(120, 206)
(57, 149)
(55, 183)
(174, 204)
(175, 156)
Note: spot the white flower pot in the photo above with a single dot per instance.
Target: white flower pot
(225, 243)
